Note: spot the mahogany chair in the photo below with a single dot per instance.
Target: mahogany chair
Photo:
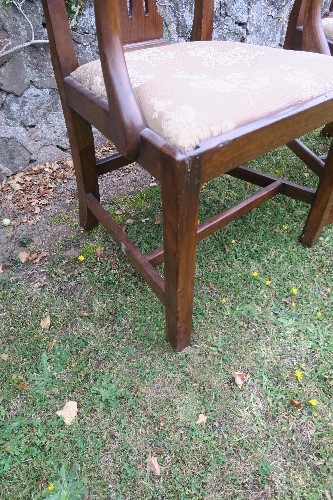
(187, 113)
(313, 34)
(294, 37)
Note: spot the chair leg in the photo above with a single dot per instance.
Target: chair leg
(83, 152)
(327, 131)
(180, 202)
(319, 214)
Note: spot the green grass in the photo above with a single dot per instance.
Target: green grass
(136, 397)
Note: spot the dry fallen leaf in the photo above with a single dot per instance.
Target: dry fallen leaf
(23, 386)
(202, 419)
(23, 256)
(68, 412)
(39, 257)
(240, 378)
(99, 251)
(296, 403)
(84, 314)
(158, 220)
(51, 344)
(46, 322)
(154, 466)
(4, 356)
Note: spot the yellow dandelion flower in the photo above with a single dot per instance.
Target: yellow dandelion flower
(299, 375)
(313, 402)
(81, 258)
(255, 274)
(233, 241)
(294, 290)
(223, 300)
(268, 282)
(285, 227)
(50, 487)
(319, 314)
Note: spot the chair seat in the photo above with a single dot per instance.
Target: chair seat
(190, 92)
(328, 27)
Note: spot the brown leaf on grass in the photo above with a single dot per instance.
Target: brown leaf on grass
(297, 404)
(4, 356)
(32, 256)
(240, 378)
(202, 419)
(46, 322)
(68, 412)
(23, 257)
(153, 465)
(158, 220)
(51, 344)
(40, 256)
(24, 386)
(99, 251)
(84, 314)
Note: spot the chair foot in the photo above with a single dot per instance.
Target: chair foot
(327, 131)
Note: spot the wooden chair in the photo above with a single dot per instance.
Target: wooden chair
(313, 34)
(187, 113)
(295, 40)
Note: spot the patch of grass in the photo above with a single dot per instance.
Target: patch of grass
(106, 349)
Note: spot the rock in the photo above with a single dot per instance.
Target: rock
(13, 156)
(13, 75)
(49, 154)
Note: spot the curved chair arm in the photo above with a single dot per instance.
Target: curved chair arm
(314, 39)
(126, 119)
(202, 28)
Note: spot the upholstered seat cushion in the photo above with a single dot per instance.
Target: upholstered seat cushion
(328, 27)
(190, 92)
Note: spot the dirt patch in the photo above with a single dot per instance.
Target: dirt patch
(31, 200)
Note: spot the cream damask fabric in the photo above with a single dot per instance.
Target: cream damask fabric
(328, 27)
(190, 92)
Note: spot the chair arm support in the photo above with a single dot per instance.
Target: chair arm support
(314, 39)
(126, 120)
(202, 28)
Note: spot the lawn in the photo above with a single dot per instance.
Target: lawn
(263, 307)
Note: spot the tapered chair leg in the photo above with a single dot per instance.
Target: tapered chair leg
(83, 152)
(180, 201)
(319, 214)
(327, 131)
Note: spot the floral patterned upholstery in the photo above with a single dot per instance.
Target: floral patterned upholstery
(190, 92)
(328, 27)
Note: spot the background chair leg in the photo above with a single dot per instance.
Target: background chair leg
(180, 202)
(83, 152)
(319, 214)
(327, 131)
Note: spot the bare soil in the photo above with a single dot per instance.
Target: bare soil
(31, 199)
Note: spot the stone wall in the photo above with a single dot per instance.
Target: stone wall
(31, 123)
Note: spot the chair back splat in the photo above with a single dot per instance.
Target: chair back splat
(187, 113)
(139, 21)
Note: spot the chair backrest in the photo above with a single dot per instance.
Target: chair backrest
(304, 29)
(139, 21)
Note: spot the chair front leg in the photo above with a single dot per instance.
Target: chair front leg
(83, 152)
(319, 214)
(180, 203)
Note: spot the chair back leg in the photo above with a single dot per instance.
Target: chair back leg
(319, 214)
